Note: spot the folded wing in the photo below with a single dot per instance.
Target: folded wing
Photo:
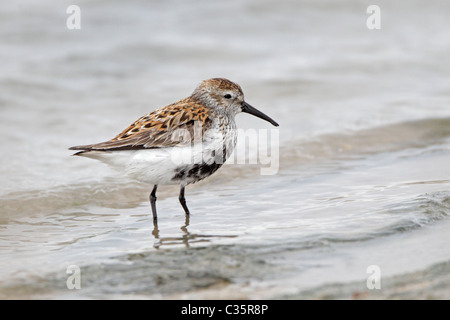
(180, 123)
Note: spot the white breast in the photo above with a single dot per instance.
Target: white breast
(159, 165)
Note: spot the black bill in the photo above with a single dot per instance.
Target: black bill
(249, 109)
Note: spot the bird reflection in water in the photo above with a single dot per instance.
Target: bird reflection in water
(185, 239)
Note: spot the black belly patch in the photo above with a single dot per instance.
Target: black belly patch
(195, 172)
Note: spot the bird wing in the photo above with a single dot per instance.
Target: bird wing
(180, 123)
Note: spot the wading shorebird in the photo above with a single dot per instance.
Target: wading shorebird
(200, 129)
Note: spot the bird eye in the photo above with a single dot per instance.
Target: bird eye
(227, 96)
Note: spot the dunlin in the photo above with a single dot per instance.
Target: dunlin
(153, 149)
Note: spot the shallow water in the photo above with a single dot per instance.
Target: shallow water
(364, 140)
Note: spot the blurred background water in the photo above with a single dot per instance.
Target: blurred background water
(364, 146)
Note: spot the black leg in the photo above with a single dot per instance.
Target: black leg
(183, 200)
(153, 202)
